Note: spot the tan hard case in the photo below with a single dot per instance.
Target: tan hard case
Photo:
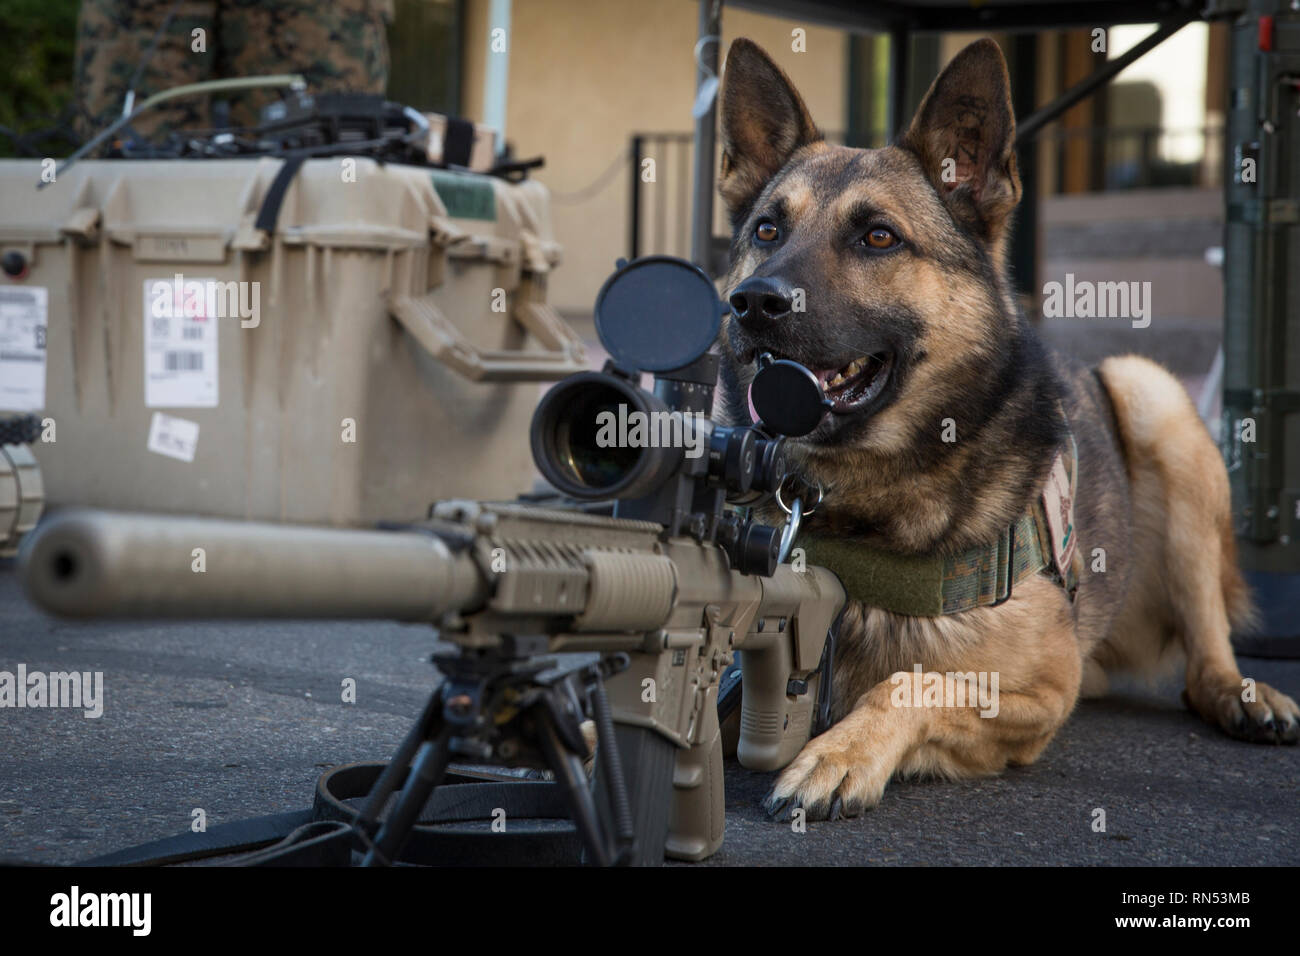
(410, 302)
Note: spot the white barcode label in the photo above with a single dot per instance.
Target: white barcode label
(183, 361)
(180, 344)
(174, 437)
(24, 317)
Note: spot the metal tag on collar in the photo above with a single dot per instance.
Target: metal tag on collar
(791, 530)
(795, 509)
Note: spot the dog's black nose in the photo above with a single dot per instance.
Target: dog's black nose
(760, 300)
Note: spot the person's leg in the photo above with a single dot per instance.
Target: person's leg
(114, 36)
(341, 45)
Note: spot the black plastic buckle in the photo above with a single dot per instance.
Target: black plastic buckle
(1007, 567)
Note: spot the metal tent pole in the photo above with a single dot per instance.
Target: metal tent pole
(710, 28)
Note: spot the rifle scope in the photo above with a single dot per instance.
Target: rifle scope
(580, 437)
(600, 436)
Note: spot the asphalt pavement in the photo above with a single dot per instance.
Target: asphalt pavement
(239, 719)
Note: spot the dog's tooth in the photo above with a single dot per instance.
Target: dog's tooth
(837, 380)
(854, 367)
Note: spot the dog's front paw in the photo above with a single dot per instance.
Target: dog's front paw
(1257, 712)
(834, 776)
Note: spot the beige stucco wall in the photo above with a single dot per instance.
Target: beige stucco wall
(585, 75)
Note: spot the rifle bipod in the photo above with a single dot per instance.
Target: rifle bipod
(517, 709)
(511, 707)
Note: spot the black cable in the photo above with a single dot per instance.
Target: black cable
(148, 55)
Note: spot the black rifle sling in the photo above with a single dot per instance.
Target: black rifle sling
(537, 831)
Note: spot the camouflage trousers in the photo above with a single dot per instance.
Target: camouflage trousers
(334, 44)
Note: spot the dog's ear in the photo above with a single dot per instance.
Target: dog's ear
(763, 122)
(964, 134)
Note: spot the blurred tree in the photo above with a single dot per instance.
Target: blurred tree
(37, 39)
(38, 42)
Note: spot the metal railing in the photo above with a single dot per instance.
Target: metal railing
(1137, 157)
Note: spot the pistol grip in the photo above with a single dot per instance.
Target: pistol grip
(697, 819)
(774, 723)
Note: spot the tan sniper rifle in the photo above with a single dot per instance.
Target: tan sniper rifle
(664, 587)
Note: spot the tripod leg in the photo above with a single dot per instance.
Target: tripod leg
(572, 779)
(391, 778)
(427, 771)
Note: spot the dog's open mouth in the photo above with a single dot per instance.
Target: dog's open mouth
(852, 386)
(855, 390)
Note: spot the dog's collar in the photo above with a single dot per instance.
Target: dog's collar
(1040, 540)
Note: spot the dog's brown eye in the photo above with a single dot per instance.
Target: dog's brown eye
(880, 238)
(766, 232)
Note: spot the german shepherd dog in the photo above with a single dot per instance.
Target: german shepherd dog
(909, 320)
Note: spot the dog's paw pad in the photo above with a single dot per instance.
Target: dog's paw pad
(827, 786)
(1258, 713)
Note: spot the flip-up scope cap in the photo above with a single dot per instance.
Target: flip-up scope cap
(787, 397)
(657, 313)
